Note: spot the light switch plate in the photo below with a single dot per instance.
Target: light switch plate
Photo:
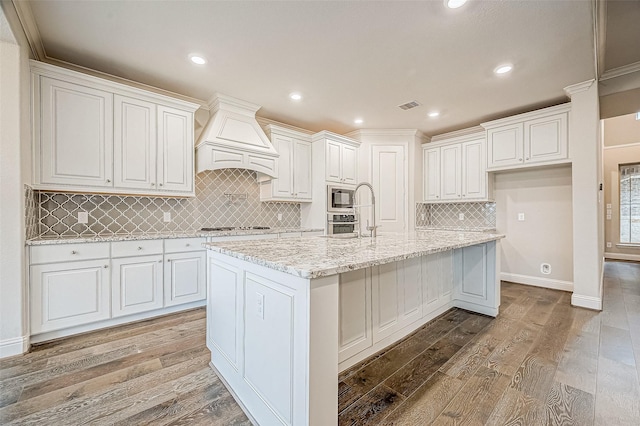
(608, 244)
(521, 217)
(83, 217)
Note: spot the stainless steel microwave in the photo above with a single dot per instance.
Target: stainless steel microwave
(340, 199)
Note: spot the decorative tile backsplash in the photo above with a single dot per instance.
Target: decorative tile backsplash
(477, 216)
(228, 197)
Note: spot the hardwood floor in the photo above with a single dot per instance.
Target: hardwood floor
(540, 362)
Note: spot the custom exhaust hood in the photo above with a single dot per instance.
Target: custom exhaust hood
(233, 139)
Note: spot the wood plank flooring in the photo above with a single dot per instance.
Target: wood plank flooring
(540, 362)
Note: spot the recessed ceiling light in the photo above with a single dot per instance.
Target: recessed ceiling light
(434, 114)
(454, 4)
(358, 121)
(503, 69)
(197, 59)
(295, 96)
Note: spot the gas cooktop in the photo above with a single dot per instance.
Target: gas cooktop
(235, 228)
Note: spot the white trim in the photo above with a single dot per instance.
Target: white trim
(538, 113)
(622, 256)
(620, 71)
(385, 132)
(578, 87)
(537, 281)
(30, 28)
(15, 346)
(628, 145)
(588, 302)
(464, 134)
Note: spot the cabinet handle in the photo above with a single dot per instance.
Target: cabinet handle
(108, 180)
(74, 252)
(160, 261)
(106, 266)
(527, 158)
(139, 247)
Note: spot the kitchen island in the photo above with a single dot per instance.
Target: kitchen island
(284, 317)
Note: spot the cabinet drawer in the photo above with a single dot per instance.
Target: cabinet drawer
(179, 245)
(68, 252)
(136, 248)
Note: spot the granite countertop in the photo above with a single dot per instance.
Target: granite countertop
(160, 235)
(457, 228)
(321, 256)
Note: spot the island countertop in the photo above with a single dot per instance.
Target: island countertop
(320, 256)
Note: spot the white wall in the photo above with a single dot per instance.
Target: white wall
(14, 172)
(545, 236)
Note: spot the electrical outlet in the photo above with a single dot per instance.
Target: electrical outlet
(260, 305)
(521, 217)
(279, 217)
(166, 216)
(83, 217)
(545, 268)
(460, 216)
(608, 244)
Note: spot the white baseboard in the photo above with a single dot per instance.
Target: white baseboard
(15, 346)
(537, 281)
(622, 256)
(588, 302)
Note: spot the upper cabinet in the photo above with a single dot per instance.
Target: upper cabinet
(532, 139)
(94, 135)
(294, 167)
(340, 157)
(454, 167)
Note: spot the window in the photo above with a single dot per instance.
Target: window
(630, 203)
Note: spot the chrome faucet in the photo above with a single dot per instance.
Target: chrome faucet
(373, 227)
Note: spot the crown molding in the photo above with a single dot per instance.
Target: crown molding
(264, 122)
(578, 87)
(620, 71)
(31, 32)
(543, 112)
(356, 134)
(599, 35)
(472, 132)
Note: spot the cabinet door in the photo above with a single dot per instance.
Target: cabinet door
(431, 165)
(451, 172)
(68, 294)
(134, 148)
(136, 284)
(333, 162)
(354, 313)
(475, 282)
(184, 278)
(349, 164)
(175, 150)
(283, 185)
(545, 139)
(505, 145)
(474, 170)
(302, 170)
(76, 135)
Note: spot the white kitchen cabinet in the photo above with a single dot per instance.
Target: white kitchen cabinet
(136, 284)
(355, 333)
(69, 285)
(175, 150)
(294, 168)
(532, 139)
(475, 282)
(431, 167)
(437, 280)
(94, 135)
(73, 131)
(396, 297)
(341, 158)
(454, 167)
(134, 143)
(184, 271)
(68, 294)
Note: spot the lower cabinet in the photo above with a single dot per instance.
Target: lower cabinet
(184, 278)
(136, 285)
(68, 294)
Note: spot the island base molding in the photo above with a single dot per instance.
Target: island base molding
(279, 340)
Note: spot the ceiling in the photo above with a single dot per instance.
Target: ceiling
(348, 59)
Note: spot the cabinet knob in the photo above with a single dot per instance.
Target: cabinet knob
(527, 158)
(108, 180)
(160, 184)
(139, 247)
(74, 252)
(519, 159)
(188, 245)
(160, 261)
(464, 195)
(106, 266)
(153, 184)
(168, 260)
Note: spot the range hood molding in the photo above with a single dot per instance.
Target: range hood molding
(233, 139)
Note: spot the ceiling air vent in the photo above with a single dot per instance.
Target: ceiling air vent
(409, 105)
